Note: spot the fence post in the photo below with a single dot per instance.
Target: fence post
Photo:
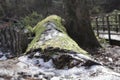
(116, 21)
(108, 26)
(119, 22)
(103, 23)
(97, 26)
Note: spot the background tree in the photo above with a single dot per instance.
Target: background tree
(78, 24)
(110, 5)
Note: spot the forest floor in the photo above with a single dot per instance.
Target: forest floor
(109, 56)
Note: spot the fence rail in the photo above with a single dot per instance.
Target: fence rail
(107, 24)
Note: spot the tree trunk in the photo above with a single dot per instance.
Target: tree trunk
(12, 39)
(78, 24)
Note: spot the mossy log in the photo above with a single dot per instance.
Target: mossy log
(50, 33)
(51, 41)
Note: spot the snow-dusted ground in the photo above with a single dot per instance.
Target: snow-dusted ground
(25, 68)
(3, 56)
(75, 73)
(113, 37)
(109, 56)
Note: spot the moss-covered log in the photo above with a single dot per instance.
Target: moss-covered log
(51, 33)
(51, 41)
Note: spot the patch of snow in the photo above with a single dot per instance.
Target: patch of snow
(80, 56)
(1, 79)
(22, 65)
(3, 58)
(23, 58)
(26, 30)
(61, 34)
(79, 72)
(34, 61)
(110, 59)
(5, 71)
(55, 78)
(50, 25)
(114, 37)
(37, 54)
(50, 32)
(48, 64)
(48, 37)
(4, 55)
(1, 53)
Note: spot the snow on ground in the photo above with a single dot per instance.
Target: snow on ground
(109, 56)
(47, 69)
(3, 56)
(25, 68)
(113, 37)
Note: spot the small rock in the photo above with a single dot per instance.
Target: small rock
(41, 73)
(48, 77)
(20, 73)
(25, 76)
(36, 75)
(31, 55)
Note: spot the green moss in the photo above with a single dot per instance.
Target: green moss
(39, 28)
(62, 41)
(53, 18)
(33, 44)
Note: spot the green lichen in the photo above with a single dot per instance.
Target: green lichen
(60, 41)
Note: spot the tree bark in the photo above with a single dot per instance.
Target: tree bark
(78, 24)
